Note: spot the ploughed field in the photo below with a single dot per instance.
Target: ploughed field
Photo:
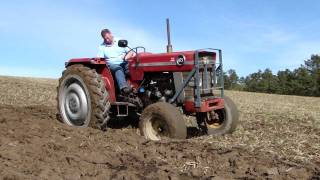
(278, 137)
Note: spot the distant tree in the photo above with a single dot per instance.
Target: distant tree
(302, 83)
(304, 80)
(261, 82)
(252, 82)
(241, 84)
(313, 67)
(269, 81)
(285, 82)
(313, 64)
(231, 80)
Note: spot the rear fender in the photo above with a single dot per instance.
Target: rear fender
(86, 61)
(107, 77)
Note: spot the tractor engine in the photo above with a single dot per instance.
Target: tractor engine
(157, 87)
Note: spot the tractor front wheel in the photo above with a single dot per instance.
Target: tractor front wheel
(162, 120)
(82, 98)
(221, 121)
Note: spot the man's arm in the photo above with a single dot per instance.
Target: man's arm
(100, 53)
(131, 54)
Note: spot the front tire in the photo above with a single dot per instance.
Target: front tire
(162, 120)
(221, 121)
(82, 98)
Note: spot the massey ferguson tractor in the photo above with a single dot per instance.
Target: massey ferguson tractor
(165, 86)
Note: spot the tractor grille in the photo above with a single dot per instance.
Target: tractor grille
(207, 77)
(207, 70)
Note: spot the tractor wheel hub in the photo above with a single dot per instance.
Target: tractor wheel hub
(74, 103)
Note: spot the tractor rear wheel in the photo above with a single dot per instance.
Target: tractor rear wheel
(162, 120)
(82, 98)
(221, 121)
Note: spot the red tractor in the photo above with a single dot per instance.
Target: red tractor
(164, 86)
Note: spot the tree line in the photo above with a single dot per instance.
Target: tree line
(304, 81)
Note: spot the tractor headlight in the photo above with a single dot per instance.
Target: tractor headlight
(205, 60)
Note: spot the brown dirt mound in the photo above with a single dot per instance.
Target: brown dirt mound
(33, 145)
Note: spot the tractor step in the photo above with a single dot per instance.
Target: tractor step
(122, 108)
(123, 104)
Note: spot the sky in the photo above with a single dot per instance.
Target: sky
(38, 36)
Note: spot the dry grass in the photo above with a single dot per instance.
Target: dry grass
(286, 126)
(27, 91)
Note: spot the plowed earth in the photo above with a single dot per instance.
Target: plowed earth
(34, 145)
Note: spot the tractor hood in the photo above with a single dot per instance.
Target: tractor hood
(183, 61)
(179, 59)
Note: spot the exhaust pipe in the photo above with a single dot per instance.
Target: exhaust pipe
(169, 46)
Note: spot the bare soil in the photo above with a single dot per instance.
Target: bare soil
(34, 145)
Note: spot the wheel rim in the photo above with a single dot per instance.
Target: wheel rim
(214, 120)
(156, 128)
(74, 104)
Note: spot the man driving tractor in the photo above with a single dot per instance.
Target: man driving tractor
(116, 59)
(165, 85)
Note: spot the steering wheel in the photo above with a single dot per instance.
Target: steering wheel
(131, 50)
(135, 50)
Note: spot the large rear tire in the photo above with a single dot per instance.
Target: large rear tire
(221, 121)
(82, 98)
(162, 120)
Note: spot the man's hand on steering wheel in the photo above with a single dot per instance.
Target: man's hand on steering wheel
(130, 54)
